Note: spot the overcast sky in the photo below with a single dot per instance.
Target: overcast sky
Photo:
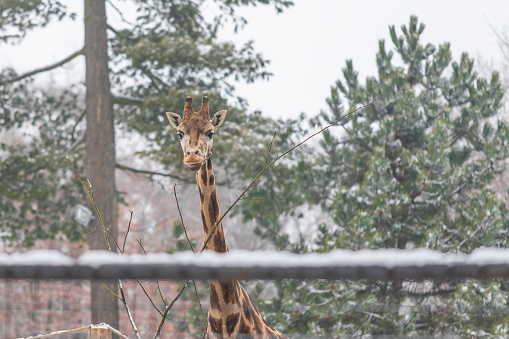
(307, 44)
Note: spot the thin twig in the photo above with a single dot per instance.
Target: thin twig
(116, 295)
(270, 147)
(92, 199)
(161, 294)
(76, 123)
(135, 170)
(127, 100)
(128, 229)
(78, 142)
(190, 245)
(149, 298)
(131, 320)
(181, 218)
(50, 67)
(119, 13)
(115, 241)
(157, 281)
(168, 308)
(151, 173)
(139, 282)
(199, 302)
(282, 155)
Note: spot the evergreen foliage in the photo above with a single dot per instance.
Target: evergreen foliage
(168, 51)
(412, 170)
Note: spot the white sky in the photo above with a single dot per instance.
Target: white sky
(307, 44)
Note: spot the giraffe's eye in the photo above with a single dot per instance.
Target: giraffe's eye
(210, 134)
(180, 134)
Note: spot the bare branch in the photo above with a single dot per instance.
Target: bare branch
(128, 229)
(116, 295)
(161, 294)
(77, 143)
(127, 100)
(128, 311)
(76, 123)
(284, 154)
(199, 302)
(181, 218)
(190, 245)
(111, 29)
(92, 199)
(168, 308)
(50, 67)
(503, 42)
(270, 147)
(158, 287)
(122, 251)
(135, 170)
(119, 13)
(149, 298)
(114, 240)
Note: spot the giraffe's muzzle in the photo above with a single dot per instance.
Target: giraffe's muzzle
(193, 161)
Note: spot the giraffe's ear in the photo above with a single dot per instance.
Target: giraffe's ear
(218, 118)
(174, 119)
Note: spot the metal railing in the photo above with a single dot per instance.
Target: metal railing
(242, 265)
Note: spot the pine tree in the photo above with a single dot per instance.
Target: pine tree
(413, 169)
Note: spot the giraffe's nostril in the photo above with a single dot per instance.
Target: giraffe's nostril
(188, 152)
(195, 152)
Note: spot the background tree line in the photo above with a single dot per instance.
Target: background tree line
(415, 169)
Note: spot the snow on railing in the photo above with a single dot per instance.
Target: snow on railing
(387, 264)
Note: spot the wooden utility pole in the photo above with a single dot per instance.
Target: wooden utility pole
(100, 151)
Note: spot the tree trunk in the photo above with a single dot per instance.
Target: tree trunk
(100, 151)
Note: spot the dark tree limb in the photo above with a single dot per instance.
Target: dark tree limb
(50, 67)
(127, 100)
(139, 171)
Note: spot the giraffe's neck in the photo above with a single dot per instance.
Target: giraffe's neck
(210, 208)
(231, 312)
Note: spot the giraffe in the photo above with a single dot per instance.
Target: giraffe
(231, 313)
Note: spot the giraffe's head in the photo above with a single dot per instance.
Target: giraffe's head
(195, 130)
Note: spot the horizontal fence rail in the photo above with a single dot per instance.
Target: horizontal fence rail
(390, 264)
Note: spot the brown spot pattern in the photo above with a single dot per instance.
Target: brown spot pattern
(258, 324)
(215, 206)
(211, 180)
(209, 163)
(205, 226)
(228, 293)
(231, 322)
(214, 298)
(202, 197)
(216, 325)
(237, 296)
(219, 243)
(204, 177)
(247, 313)
(243, 327)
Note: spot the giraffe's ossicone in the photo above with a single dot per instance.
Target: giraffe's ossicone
(231, 312)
